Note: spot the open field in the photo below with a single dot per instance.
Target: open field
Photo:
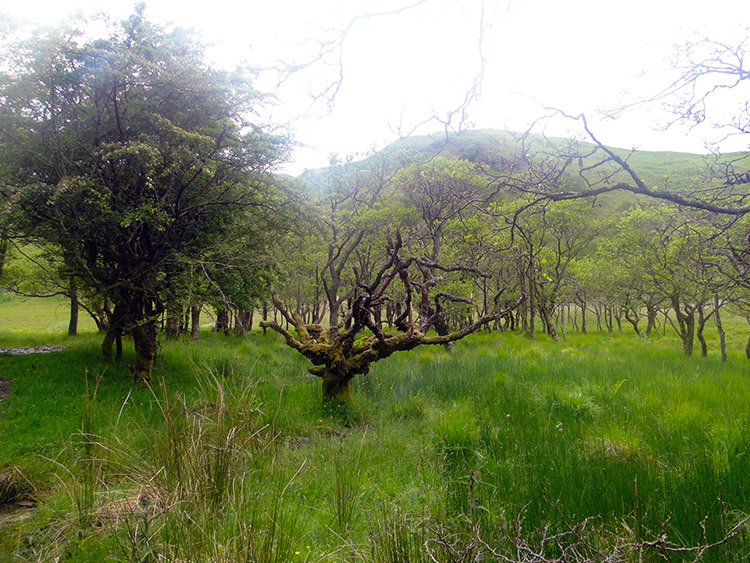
(27, 315)
(231, 458)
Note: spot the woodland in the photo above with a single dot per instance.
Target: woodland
(139, 191)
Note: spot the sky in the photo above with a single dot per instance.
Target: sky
(405, 65)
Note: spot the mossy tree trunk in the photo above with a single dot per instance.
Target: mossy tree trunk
(144, 341)
(3, 252)
(222, 321)
(337, 388)
(549, 326)
(243, 322)
(135, 312)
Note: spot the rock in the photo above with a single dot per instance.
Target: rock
(31, 350)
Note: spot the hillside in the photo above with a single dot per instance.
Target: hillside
(497, 149)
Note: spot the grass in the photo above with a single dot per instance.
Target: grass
(22, 316)
(231, 458)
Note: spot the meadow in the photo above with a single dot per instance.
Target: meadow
(606, 447)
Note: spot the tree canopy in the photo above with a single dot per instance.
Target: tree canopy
(129, 153)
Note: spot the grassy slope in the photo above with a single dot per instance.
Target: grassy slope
(604, 425)
(655, 167)
(25, 315)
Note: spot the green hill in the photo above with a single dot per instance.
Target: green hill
(499, 150)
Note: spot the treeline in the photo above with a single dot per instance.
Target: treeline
(581, 264)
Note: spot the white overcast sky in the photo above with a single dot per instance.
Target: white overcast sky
(401, 69)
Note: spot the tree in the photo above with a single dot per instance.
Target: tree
(709, 91)
(547, 240)
(129, 153)
(670, 248)
(341, 352)
(39, 272)
(442, 195)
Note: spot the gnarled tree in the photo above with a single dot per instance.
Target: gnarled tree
(341, 352)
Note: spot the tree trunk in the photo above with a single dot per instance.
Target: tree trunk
(632, 317)
(174, 316)
(113, 335)
(336, 388)
(442, 328)
(195, 321)
(265, 316)
(523, 325)
(650, 319)
(102, 315)
(687, 344)
(548, 324)
(699, 331)
(102, 325)
(243, 322)
(532, 313)
(562, 321)
(222, 321)
(73, 323)
(509, 323)
(484, 297)
(3, 252)
(720, 328)
(144, 341)
(334, 306)
(108, 343)
(685, 323)
(583, 316)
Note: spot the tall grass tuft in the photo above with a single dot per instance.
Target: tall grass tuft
(89, 465)
(186, 490)
(397, 538)
(347, 489)
(206, 444)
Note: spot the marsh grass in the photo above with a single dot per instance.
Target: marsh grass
(397, 537)
(173, 476)
(347, 485)
(230, 457)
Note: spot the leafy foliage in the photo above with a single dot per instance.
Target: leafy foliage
(129, 154)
